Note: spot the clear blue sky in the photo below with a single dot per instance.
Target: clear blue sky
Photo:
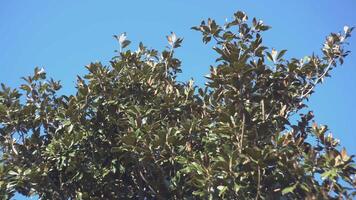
(63, 36)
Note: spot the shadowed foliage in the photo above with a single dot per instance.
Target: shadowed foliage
(132, 131)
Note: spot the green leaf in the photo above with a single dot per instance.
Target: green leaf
(289, 189)
(281, 54)
(222, 189)
(330, 174)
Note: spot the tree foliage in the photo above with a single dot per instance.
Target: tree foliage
(133, 131)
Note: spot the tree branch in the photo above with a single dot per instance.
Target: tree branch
(318, 79)
(242, 131)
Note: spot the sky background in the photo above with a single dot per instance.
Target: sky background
(64, 36)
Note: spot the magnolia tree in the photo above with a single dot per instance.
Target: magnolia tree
(132, 130)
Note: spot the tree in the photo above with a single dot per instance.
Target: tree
(133, 131)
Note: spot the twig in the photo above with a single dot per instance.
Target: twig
(258, 182)
(13, 148)
(318, 79)
(148, 184)
(263, 110)
(242, 131)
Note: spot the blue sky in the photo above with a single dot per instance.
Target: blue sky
(64, 36)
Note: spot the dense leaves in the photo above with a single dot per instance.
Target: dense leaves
(133, 131)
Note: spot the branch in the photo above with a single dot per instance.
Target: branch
(258, 182)
(242, 131)
(263, 110)
(318, 79)
(147, 183)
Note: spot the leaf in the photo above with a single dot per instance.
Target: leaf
(305, 187)
(116, 149)
(181, 160)
(281, 54)
(241, 16)
(206, 39)
(125, 43)
(25, 87)
(346, 29)
(129, 139)
(172, 39)
(228, 35)
(274, 55)
(222, 189)
(289, 189)
(70, 129)
(264, 28)
(344, 156)
(269, 56)
(3, 108)
(330, 174)
(13, 173)
(122, 39)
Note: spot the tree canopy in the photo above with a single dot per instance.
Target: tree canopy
(132, 130)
